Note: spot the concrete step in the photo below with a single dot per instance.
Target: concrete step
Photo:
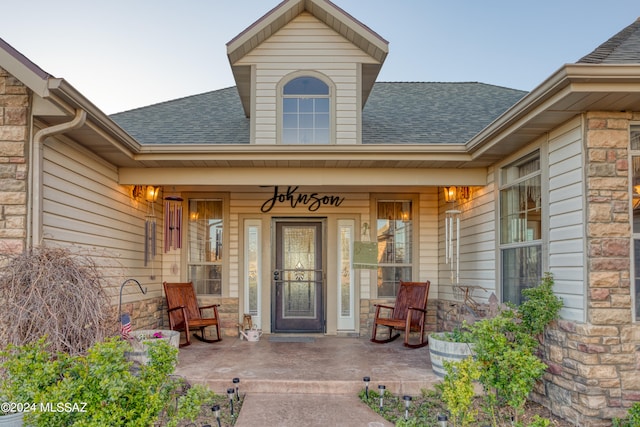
(256, 385)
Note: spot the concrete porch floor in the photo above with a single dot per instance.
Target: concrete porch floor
(307, 384)
(328, 365)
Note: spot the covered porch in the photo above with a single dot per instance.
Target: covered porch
(313, 364)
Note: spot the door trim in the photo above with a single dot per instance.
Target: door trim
(322, 223)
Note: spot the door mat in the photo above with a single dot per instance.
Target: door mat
(291, 339)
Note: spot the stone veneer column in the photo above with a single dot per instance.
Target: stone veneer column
(593, 367)
(14, 113)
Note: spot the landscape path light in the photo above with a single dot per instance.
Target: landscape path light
(230, 393)
(366, 386)
(236, 381)
(216, 412)
(381, 389)
(407, 402)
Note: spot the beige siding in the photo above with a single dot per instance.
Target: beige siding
(566, 218)
(246, 205)
(84, 207)
(477, 242)
(306, 44)
(427, 244)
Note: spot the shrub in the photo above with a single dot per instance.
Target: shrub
(505, 348)
(540, 307)
(101, 386)
(632, 421)
(458, 392)
(52, 293)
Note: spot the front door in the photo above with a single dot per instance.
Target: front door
(298, 277)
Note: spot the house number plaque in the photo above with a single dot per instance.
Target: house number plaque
(312, 201)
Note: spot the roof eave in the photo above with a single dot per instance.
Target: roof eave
(20, 67)
(568, 86)
(68, 98)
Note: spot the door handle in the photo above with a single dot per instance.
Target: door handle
(276, 275)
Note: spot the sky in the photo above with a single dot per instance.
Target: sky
(125, 54)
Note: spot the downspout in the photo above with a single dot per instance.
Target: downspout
(34, 220)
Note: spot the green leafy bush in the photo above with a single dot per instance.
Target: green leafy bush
(540, 307)
(632, 421)
(505, 348)
(458, 334)
(27, 370)
(458, 390)
(101, 388)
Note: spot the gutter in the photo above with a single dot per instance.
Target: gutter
(67, 97)
(34, 214)
(559, 85)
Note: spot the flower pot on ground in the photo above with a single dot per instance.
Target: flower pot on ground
(446, 347)
(25, 372)
(11, 419)
(141, 339)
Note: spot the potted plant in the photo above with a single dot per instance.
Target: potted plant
(141, 339)
(448, 347)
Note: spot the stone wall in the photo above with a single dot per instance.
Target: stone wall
(593, 371)
(228, 312)
(146, 313)
(14, 113)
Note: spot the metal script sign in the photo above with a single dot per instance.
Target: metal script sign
(291, 197)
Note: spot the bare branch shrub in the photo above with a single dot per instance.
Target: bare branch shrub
(54, 293)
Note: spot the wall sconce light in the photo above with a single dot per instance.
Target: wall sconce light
(145, 192)
(137, 191)
(453, 194)
(151, 193)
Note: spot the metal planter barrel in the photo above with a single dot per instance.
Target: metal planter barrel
(140, 339)
(441, 350)
(14, 419)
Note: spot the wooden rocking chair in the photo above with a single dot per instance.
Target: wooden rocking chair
(185, 314)
(408, 314)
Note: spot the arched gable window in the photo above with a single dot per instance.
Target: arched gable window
(305, 111)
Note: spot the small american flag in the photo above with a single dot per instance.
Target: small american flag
(125, 326)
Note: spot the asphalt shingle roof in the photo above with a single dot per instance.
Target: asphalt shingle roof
(396, 113)
(432, 113)
(622, 48)
(209, 118)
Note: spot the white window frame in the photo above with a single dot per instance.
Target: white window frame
(348, 322)
(634, 196)
(280, 100)
(541, 242)
(414, 262)
(256, 314)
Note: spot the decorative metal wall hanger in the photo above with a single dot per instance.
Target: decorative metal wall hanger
(172, 223)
